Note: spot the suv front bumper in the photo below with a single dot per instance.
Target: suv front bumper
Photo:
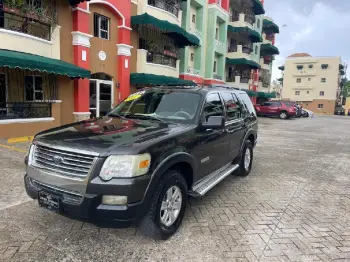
(88, 206)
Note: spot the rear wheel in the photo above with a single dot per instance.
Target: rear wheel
(246, 161)
(167, 207)
(283, 115)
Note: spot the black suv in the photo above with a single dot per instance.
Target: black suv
(141, 161)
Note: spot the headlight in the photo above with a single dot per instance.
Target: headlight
(125, 166)
(31, 159)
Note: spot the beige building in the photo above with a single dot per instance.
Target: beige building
(312, 81)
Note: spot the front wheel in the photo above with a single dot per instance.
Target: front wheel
(167, 207)
(283, 115)
(246, 161)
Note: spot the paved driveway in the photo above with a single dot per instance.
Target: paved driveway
(294, 206)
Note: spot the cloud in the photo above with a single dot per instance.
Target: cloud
(317, 27)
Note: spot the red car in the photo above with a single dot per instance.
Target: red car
(282, 109)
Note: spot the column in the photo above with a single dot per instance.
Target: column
(81, 47)
(124, 53)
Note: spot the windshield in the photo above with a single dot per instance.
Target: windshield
(166, 105)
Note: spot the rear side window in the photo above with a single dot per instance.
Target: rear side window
(276, 104)
(247, 103)
(289, 104)
(213, 106)
(267, 104)
(232, 107)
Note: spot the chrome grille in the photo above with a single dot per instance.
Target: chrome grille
(67, 163)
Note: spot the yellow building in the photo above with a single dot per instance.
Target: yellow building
(313, 82)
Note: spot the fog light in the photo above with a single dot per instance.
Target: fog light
(114, 200)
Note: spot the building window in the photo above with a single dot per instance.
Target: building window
(192, 57)
(323, 80)
(297, 93)
(300, 67)
(256, 50)
(299, 80)
(321, 93)
(309, 79)
(101, 26)
(214, 68)
(33, 88)
(311, 66)
(324, 66)
(320, 106)
(217, 33)
(193, 18)
(258, 23)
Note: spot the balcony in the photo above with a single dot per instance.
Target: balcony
(219, 47)
(195, 31)
(240, 51)
(242, 20)
(238, 81)
(265, 64)
(193, 71)
(30, 32)
(164, 63)
(217, 77)
(267, 39)
(162, 9)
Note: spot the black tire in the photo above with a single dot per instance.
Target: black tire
(242, 171)
(283, 115)
(151, 225)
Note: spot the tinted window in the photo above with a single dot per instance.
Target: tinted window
(276, 104)
(233, 110)
(213, 106)
(267, 104)
(247, 103)
(289, 104)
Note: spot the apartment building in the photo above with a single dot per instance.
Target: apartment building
(313, 82)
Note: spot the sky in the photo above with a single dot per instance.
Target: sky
(317, 27)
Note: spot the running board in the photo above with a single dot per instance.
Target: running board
(212, 180)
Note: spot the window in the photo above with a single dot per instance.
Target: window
(244, 98)
(300, 67)
(258, 24)
(309, 79)
(193, 18)
(311, 66)
(298, 80)
(101, 26)
(213, 107)
(323, 80)
(233, 110)
(324, 66)
(33, 88)
(214, 68)
(320, 106)
(276, 104)
(192, 57)
(297, 93)
(321, 93)
(217, 33)
(256, 50)
(267, 104)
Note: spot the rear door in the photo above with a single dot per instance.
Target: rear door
(234, 123)
(275, 107)
(264, 108)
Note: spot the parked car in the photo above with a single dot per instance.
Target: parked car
(339, 111)
(282, 109)
(140, 162)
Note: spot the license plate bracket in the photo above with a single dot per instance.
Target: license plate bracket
(49, 201)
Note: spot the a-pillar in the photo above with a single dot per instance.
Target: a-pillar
(124, 53)
(81, 47)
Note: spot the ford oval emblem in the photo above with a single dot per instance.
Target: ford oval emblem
(58, 159)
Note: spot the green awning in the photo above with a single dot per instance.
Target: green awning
(258, 7)
(281, 68)
(242, 61)
(270, 26)
(138, 79)
(267, 95)
(268, 49)
(254, 36)
(24, 61)
(181, 36)
(250, 93)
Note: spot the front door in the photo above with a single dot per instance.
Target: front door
(212, 145)
(101, 97)
(2, 94)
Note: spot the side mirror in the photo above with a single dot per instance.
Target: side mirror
(214, 122)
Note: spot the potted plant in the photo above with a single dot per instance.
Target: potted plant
(13, 6)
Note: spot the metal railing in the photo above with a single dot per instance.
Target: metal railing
(234, 17)
(250, 19)
(245, 80)
(193, 71)
(247, 49)
(231, 78)
(232, 48)
(23, 24)
(165, 5)
(161, 59)
(15, 110)
(218, 77)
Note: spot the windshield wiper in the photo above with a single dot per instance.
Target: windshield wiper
(147, 117)
(116, 115)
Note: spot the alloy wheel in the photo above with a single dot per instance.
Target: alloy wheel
(171, 206)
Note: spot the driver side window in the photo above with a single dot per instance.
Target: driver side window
(213, 107)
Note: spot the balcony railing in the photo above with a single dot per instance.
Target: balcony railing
(234, 17)
(244, 80)
(25, 110)
(218, 77)
(250, 19)
(195, 31)
(193, 71)
(219, 43)
(161, 59)
(166, 6)
(247, 49)
(25, 24)
(232, 48)
(231, 78)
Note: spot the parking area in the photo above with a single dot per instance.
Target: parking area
(293, 206)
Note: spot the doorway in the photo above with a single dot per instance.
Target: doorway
(101, 94)
(3, 94)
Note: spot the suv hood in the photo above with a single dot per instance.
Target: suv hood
(108, 135)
